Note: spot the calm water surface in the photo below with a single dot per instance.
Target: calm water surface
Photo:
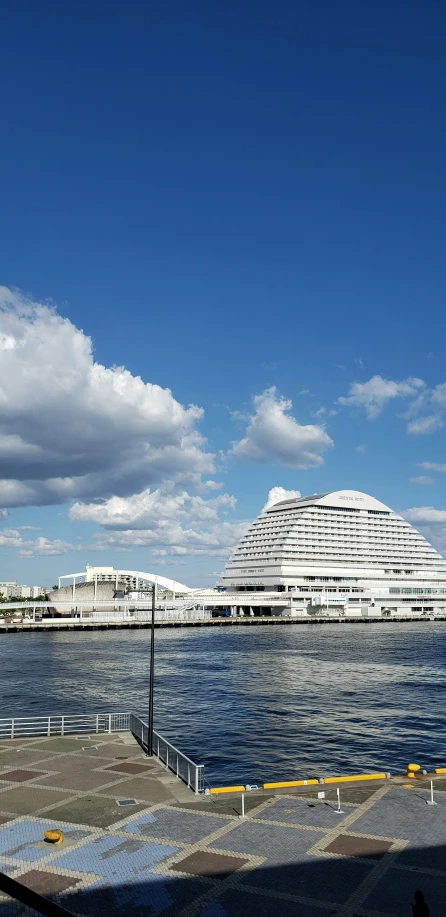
(252, 704)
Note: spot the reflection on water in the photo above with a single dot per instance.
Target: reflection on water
(252, 704)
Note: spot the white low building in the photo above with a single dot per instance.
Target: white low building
(340, 552)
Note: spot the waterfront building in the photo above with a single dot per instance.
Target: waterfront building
(342, 552)
(10, 589)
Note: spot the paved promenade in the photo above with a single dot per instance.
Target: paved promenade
(138, 842)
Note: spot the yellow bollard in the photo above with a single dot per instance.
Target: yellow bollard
(412, 770)
(55, 836)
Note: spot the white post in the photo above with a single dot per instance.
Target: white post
(430, 801)
(109, 722)
(34, 614)
(74, 587)
(243, 806)
(59, 582)
(95, 586)
(62, 729)
(339, 811)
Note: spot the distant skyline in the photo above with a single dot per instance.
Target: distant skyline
(222, 256)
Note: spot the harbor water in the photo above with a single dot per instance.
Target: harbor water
(252, 704)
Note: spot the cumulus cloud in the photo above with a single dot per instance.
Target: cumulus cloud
(73, 428)
(374, 394)
(422, 479)
(432, 466)
(360, 448)
(273, 435)
(423, 425)
(424, 515)
(40, 547)
(176, 523)
(4, 514)
(277, 494)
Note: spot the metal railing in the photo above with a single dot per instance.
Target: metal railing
(23, 727)
(181, 765)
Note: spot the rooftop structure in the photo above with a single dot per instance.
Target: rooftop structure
(339, 548)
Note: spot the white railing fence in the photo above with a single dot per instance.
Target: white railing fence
(60, 724)
(94, 723)
(180, 764)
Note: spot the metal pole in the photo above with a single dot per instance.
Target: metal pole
(431, 801)
(152, 662)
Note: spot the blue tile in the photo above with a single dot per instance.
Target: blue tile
(174, 825)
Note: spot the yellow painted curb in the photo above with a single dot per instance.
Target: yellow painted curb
(440, 770)
(285, 783)
(355, 777)
(227, 789)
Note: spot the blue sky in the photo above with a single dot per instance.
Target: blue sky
(242, 204)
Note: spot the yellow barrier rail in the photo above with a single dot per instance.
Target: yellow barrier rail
(440, 770)
(285, 783)
(226, 789)
(355, 777)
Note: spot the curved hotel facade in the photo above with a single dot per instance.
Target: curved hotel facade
(341, 553)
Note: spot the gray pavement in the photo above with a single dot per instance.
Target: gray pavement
(137, 841)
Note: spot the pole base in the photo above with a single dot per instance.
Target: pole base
(430, 802)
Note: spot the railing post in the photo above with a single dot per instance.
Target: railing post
(196, 780)
(188, 774)
(167, 756)
(158, 746)
(109, 723)
(178, 765)
(97, 722)
(62, 728)
(12, 729)
(49, 726)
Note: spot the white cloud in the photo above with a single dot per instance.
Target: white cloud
(4, 514)
(40, 547)
(432, 466)
(425, 514)
(422, 479)
(175, 523)
(72, 428)
(360, 448)
(277, 494)
(272, 435)
(424, 425)
(374, 394)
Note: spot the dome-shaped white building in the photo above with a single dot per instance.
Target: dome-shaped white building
(343, 551)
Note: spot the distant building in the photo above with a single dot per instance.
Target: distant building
(342, 551)
(11, 590)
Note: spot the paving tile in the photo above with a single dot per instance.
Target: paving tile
(395, 893)
(46, 883)
(127, 767)
(20, 757)
(59, 744)
(25, 800)
(206, 863)
(238, 903)
(115, 749)
(348, 845)
(97, 811)
(141, 788)
(78, 782)
(21, 776)
(277, 845)
(224, 806)
(404, 814)
(170, 824)
(74, 764)
(327, 880)
(309, 812)
(24, 839)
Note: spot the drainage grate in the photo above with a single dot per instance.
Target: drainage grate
(81, 738)
(127, 802)
(89, 748)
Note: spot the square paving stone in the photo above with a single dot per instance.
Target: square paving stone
(78, 782)
(21, 776)
(329, 880)
(404, 814)
(74, 764)
(141, 788)
(20, 757)
(211, 865)
(395, 893)
(97, 811)
(240, 903)
(25, 800)
(48, 884)
(172, 825)
(348, 845)
(278, 845)
(309, 812)
(58, 745)
(113, 749)
(127, 767)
